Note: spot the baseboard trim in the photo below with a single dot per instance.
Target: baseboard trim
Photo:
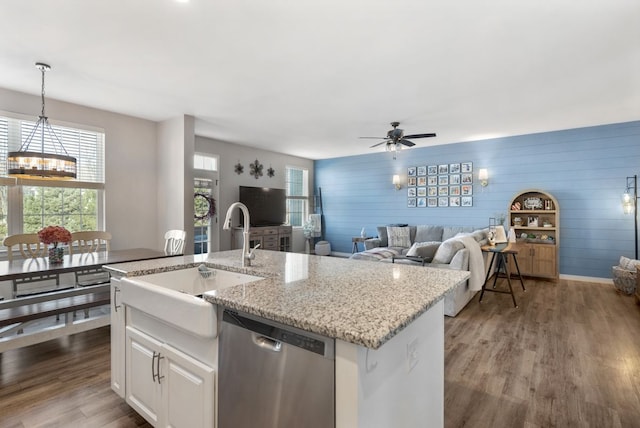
(587, 279)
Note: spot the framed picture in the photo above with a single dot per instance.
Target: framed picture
(454, 168)
(432, 170)
(466, 201)
(443, 169)
(454, 201)
(411, 171)
(411, 192)
(443, 202)
(422, 181)
(466, 178)
(443, 180)
(466, 190)
(532, 221)
(443, 191)
(411, 202)
(454, 179)
(432, 180)
(422, 170)
(432, 202)
(411, 181)
(422, 202)
(422, 191)
(432, 191)
(466, 167)
(454, 191)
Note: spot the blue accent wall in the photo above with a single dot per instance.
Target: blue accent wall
(585, 169)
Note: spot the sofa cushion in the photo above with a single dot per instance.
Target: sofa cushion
(447, 250)
(399, 237)
(426, 250)
(449, 232)
(426, 233)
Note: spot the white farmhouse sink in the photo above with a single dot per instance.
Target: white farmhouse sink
(173, 297)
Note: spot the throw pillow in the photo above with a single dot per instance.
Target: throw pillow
(447, 250)
(426, 250)
(399, 237)
(628, 264)
(425, 233)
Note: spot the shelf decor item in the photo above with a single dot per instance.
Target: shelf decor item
(52, 236)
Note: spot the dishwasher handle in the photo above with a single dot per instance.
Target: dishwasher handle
(265, 342)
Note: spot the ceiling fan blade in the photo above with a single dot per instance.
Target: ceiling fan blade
(377, 138)
(377, 144)
(407, 143)
(420, 135)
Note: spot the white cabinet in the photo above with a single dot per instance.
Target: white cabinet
(117, 339)
(166, 386)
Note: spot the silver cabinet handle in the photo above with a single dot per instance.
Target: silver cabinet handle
(153, 359)
(115, 305)
(155, 366)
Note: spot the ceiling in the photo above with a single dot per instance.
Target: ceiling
(307, 78)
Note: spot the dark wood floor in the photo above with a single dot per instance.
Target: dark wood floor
(568, 357)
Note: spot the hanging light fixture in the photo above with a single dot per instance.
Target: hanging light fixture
(33, 164)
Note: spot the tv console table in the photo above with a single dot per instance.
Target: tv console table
(277, 238)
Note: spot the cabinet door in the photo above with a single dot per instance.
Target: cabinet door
(117, 340)
(525, 259)
(188, 391)
(142, 366)
(544, 260)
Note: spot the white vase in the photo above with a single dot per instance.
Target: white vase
(363, 234)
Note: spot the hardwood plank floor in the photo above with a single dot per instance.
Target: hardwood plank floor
(62, 383)
(568, 357)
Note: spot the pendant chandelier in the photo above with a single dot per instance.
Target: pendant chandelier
(28, 163)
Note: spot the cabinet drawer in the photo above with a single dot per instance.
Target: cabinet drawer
(272, 231)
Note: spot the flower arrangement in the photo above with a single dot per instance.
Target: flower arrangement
(52, 235)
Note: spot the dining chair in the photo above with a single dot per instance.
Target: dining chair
(30, 248)
(85, 243)
(174, 242)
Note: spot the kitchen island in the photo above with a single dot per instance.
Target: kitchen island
(387, 321)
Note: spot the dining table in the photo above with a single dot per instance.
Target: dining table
(19, 268)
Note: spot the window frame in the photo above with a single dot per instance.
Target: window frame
(16, 185)
(304, 197)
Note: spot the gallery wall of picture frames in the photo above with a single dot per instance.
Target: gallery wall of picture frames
(443, 185)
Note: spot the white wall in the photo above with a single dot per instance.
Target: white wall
(229, 155)
(130, 157)
(175, 177)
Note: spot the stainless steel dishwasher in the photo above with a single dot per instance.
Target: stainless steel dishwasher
(274, 376)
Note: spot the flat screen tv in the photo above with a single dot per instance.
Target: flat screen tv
(267, 206)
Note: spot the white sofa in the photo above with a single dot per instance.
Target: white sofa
(429, 245)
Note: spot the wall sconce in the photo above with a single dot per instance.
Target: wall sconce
(630, 204)
(396, 181)
(483, 176)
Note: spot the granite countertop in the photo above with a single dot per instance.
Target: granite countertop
(361, 302)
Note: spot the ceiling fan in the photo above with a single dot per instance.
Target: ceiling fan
(395, 137)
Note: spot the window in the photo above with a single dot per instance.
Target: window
(206, 162)
(27, 205)
(297, 182)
